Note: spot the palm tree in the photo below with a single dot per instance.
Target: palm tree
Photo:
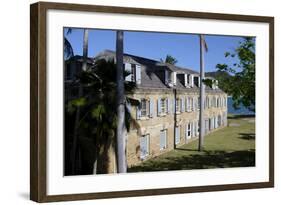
(169, 59)
(67, 47)
(203, 48)
(121, 141)
(98, 107)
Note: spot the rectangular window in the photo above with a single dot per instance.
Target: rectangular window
(163, 139)
(144, 146)
(163, 105)
(178, 134)
(191, 104)
(144, 107)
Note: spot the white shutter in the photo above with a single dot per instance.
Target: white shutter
(198, 81)
(182, 104)
(177, 135)
(168, 105)
(138, 74)
(185, 80)
(174, 78)
(128, 68)
(151, 107)
(194, 104)
(191, 82)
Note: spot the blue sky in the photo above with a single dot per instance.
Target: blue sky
(153, 45)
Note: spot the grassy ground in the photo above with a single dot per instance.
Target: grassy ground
(232, 146)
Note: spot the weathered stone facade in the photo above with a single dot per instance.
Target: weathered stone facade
(153, 124)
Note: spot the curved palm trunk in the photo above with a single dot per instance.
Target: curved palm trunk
(80, 94)
(121, 141)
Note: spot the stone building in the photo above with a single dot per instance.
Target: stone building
(167, 115)
(168, 111)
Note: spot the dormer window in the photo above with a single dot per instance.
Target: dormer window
(215, 84)
(182, 77)
(197, 81)
(191, 80)
(170, 78)
(134, 73)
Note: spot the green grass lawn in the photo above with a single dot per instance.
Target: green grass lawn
(232, 146)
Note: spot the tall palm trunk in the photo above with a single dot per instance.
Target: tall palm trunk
(121, 141)
(202, 93)
(80, 94)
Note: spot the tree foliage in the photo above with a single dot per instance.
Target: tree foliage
(169, 59)
(241, 82)
(98, 119)
(67, 47)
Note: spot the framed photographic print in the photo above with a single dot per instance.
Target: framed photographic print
(134, 102)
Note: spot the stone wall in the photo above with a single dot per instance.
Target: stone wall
(153, 125)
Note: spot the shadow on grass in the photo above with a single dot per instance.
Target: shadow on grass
(203, 160)
(247, 136)
(241, 116)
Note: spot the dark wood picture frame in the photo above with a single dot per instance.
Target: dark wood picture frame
(38, 96)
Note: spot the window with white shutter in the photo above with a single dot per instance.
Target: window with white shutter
(128, 69)
(163, 105)
(144, 107)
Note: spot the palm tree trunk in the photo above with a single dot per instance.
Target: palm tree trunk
(80, 94)
(202, 95)
(121, 141)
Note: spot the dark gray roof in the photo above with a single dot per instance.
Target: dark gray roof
(152, 73)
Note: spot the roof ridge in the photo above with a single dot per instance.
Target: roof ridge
(145, 58)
